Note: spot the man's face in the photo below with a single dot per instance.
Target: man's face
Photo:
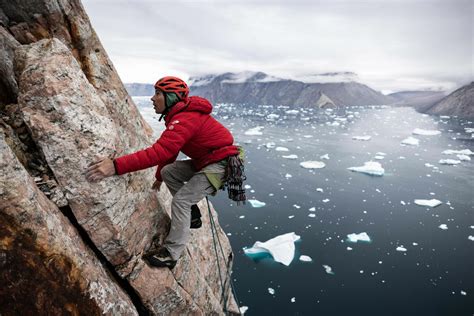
(158, 101)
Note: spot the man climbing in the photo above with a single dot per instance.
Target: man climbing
(214, 163)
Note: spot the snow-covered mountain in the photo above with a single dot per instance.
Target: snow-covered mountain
(260, 88)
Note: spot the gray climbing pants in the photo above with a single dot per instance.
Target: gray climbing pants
(188, 187)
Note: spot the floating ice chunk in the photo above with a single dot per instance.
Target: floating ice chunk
(449, 162)
(254, 131)
(311, 215)
(463, 157)
(293, 299)
(282, 149)
(243, 309)
(288, 176)
(271, 117)
(463, 293)
(379, 157)
(326, 156)
(401, 248)
(312, 209)
(380, 153)
(305, 258)
(470, 237)
(425, 132)
(444, 116)
(365, 138)
(358, 237)
(430, 203)
(270, 145)
(291, 216)
(467, 152)
(370, 167)
(308, 136)
(349, 248)
(294, 112)
(256, 203)
(312, 164)
(328, 269)
(326, 200)
(443, 226)
(319, 190)
(403, 203)
(271, 291)
(411, 141)
(242, 216)
(290, 157)
(282, 248)
(429, 165)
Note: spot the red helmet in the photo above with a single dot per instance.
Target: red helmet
(173, 84)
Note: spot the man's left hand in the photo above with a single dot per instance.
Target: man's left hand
(101, 169)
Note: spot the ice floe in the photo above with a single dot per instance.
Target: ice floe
(443, 226)
(305, 258)
(254, 131)
(425, 132)
(271, 291)
(430, 203)
(256, 203)
(449, 162)
(401, 248)
(326, 156)
(243, 309)
(464, 157)
(467, 152)
(328, 269)
(470, 237)
(282, 149)
(363, 138)
(291, 157)
(282, 248)
(312, 164)
(370, 167)
(411, 141)
(358, 237)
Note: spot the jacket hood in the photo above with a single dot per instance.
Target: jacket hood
(191, 104)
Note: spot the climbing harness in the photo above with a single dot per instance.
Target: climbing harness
(228, 276)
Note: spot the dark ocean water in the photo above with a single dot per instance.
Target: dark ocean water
(434, 276)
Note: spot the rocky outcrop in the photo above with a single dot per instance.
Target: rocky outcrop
(420, 100)
(64, 105)
(259, 88)
(459, 103)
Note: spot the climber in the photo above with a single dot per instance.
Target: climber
(215, 163)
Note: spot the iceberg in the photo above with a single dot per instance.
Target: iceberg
(370, 167)
(254, 131)
(326, 156)
(256, 203)
(312, 164)
(443, 226)
(425, 132)
(467, 152)
(449, 162)
(305, 258)
(271, 291)
(270, 145)
(470, 237)
(291, 157)
(282, 149)
(401, 248)
(282, 248)
(365, 138)
(410, 141)
(243, 309)
(358, 237)
(328, 269)
(464, 157)
(430, 203)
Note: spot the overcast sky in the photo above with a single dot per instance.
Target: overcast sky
(391, 45)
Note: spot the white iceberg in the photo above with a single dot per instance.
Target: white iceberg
(294, 112)
(449, 162)
(291, 157)
(243, 309)
(305, 258)
(326, 156)
(256, 203)
(370, 167)
(270, 145)
(470, 237)
(430, 203)
(443, 226)
(411, 141)
(358, 237)
(254, 131)
(379, 157)
(312, 164)
(328, 269)
(467, 152)
(271, 291)
(282, 248)
(464, 157)
(364, 138)
(401, 248)
(425, 132)
(282, 149)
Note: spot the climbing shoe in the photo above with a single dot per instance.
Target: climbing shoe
(160, 258)
(195, 217)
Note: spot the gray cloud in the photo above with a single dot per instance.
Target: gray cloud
(391, 45)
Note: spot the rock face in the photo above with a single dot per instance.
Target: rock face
(420, 100)
(459, 103)
(259, 88)
(63, 105)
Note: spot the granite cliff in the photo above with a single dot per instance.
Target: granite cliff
(458, 103)
(68, 246)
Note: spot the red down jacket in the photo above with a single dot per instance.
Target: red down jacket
(189, 128)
